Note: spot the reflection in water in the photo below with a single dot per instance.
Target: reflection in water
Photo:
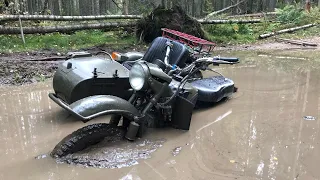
(218, 119)
(259, 134)
(22, 114)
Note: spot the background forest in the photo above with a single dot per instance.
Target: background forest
(229, 26)
(195, 8)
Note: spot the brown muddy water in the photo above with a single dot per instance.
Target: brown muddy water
(261, 133)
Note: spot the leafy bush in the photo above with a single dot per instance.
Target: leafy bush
(290, 14)
(272, 27)
(313, 16)
(241, 33)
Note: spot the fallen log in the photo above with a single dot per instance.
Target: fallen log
(106, 25)
(254, 15)
(64, 29)
(227, 21)
(46, 59)
(296, 42)
(222, 10)
(66, 18)
(285, 31)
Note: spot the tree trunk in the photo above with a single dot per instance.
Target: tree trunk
(30, 9)
(83, 7)
(103, 7)
(75, 9)
(250, 5)
(272, 5)
(193, 8)
(201, 7)
(56, 7)
(96, 6)
(65, 8)
(163, 3)
(45, 7)
(308, 6)
(125, 4)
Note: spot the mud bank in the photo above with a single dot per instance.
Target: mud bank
(272, 44)
(23, 68)
(260, 133)
(37, 66)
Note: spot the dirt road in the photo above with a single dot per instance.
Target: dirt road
(260, 133)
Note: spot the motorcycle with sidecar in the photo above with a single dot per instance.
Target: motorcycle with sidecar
(160, 99)
(84, 75)
(157, 89)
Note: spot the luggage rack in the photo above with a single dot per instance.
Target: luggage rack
(197, 46)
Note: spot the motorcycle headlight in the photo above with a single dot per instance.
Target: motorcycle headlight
(138, 76)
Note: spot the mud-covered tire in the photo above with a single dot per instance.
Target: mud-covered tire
(85, 137)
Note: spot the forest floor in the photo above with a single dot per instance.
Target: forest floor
(272, 44)
(18, 68)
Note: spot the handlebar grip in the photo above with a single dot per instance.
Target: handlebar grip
(228, 59)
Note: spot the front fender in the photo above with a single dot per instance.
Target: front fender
(94, 106)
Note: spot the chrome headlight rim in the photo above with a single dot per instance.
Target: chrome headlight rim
(138, 76)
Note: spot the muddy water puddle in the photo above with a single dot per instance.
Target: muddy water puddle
(261, 133)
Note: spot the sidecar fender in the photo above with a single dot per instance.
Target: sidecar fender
(98, 105)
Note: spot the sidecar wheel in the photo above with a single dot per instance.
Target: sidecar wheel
(85, 137)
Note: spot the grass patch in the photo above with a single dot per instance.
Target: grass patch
(64, 42)
(230, 33)
(288, 17)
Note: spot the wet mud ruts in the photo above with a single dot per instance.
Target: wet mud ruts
(113, 154)
(85, 137)
(261, 133)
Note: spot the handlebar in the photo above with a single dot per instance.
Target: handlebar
(217, 60)
(209, 60)
(228, 59)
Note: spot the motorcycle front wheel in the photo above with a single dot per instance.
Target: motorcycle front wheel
(85, 137)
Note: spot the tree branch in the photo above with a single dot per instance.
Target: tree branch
(223, 10)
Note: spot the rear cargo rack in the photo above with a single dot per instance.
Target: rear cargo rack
(197, 46)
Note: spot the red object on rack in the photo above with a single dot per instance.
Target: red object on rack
(199, 45)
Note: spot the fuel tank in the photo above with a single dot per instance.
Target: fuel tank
(80, 77)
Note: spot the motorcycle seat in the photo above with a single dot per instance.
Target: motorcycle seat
(213, 89)
(178, 56)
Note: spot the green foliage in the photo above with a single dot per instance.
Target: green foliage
(63, 42)
(313, 16)
(208, 8)
(290, 14)
(272, 27)
(230, 33)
